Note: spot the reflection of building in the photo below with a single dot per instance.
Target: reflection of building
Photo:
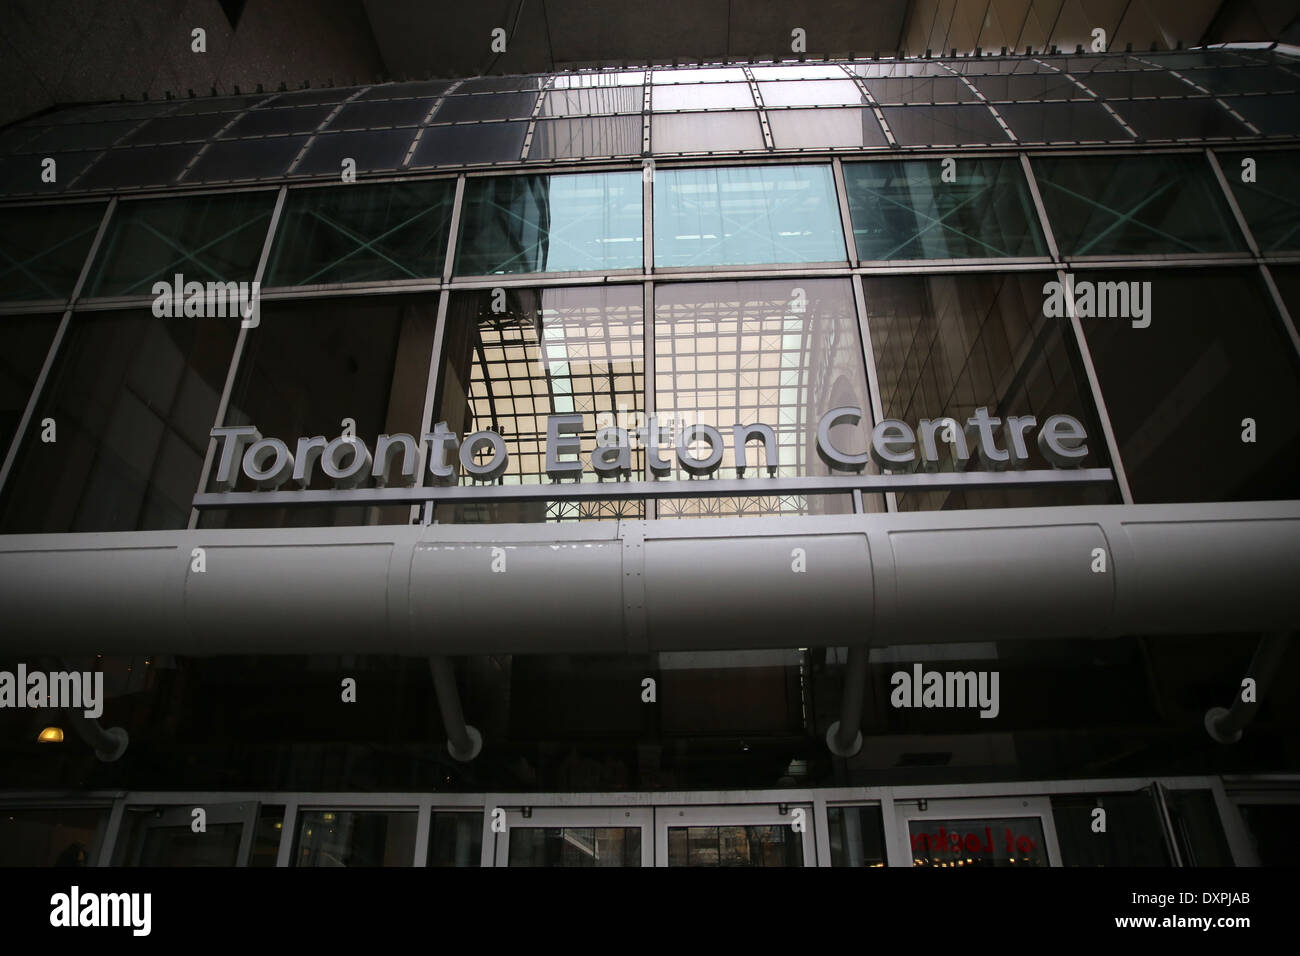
(798, 244)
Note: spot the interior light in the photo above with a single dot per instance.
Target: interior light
(51, 735)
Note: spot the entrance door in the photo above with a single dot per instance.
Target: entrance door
(575, 836)
(165, 836)
(1006, 831)
(762, 835)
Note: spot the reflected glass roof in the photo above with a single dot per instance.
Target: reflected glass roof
(862, 106)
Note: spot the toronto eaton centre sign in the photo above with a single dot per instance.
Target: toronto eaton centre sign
(392, 464)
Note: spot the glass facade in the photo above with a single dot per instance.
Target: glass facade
(628, 286)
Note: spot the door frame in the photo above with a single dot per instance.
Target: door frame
(736, 815)
(574, 817)
(972, 808)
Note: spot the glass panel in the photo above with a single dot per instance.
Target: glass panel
(42, 248)
(489, 84)
(767, 846)
(370, 150)
(575, 846)
(199, 127)
(857, 836)
(133, 398)
(1275, 115)
(1274, 831)
(1119, 85)
(27, 341)
(798, 72)
(459, 109)
(705, 96)
(739, 353)
(592, 101)
(1062, 123)
(842, 92)
(478, 143)
(1134, 835)
(268, 827)
(947, 345)
(420, 88)
(1246, 79)
(746, 214)
(943, 125)
(705, 132)
(1271, 204)
(20, 175)
(208, 238)
(355, 838)
(550, 351)
(719, 75)
(1103, 205)
(59, 837)
(983, 842)
(1189, 379)
(568, 223)
(1178, 119)
(576, 81)
(579, 138)
(162, 836)
(903, 210)
(140, 166)
(278, 122)
(361, 233)
(916, 90)
(309, 365)
(822, 128)
(455, 839)
(1194, 816)
(246, 159)
(1021, 86)
(79, 136)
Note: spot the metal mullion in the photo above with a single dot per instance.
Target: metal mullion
(870, 367)
(758, 104)
(38, 387)
(424, 512)
(547, 85)
(871, 104)
(218, 134)
(1099, 402)
(104, 855)
(846, 219)
(288, 826)
(34, 307)
(319, 127)
(1043, 222)
(367, 287)
(453, 238)
(1095, 98)
(648, 386)
(1288, 321)
(1231, 198)
(224, 402)
(979, 95)
(428, 118)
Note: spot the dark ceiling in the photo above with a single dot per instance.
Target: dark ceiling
(92, 50)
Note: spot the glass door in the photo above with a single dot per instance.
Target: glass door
(1005, 831)
(775, 835)
(166, 836)
(575, 836)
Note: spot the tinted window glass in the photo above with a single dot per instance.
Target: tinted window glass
(905, 210)
(746, 214)
(585, 221)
